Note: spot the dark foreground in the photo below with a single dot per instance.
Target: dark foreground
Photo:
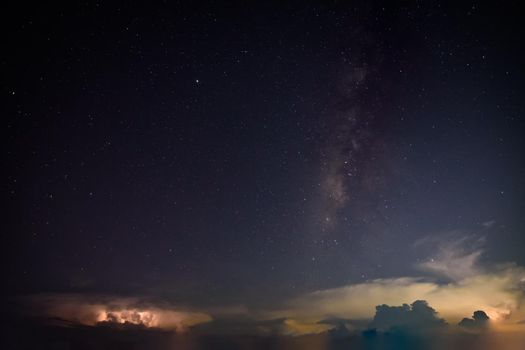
(58, 334)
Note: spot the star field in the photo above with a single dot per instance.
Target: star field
(216, 154)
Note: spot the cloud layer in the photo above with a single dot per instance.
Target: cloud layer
(93, 310)
(453, 281)
(496, 293)
(467, 287)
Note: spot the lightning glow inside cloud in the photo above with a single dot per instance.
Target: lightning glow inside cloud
(89, 310)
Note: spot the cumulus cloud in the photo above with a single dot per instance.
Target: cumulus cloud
(417, 316)
(479, 320)
(497, 293)
(496, 289)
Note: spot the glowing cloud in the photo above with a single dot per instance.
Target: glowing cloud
(497, 294)
(89, 310)
(497, 290)
(295, 327)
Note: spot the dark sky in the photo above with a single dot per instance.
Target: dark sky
(215, 154)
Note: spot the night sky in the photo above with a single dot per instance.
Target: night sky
(221, 156)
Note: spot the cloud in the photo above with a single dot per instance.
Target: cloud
(497, 293)
(479, 320)
(297, 327)
(94, 310)
(496, 289)
(455, 259)
(467, 286)
(488, 224)
(417, 316)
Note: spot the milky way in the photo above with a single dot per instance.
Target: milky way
(262, 169)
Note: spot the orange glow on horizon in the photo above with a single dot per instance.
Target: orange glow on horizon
(134, 316)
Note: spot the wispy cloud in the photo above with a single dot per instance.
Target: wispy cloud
(455, 259)
(496, 289)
